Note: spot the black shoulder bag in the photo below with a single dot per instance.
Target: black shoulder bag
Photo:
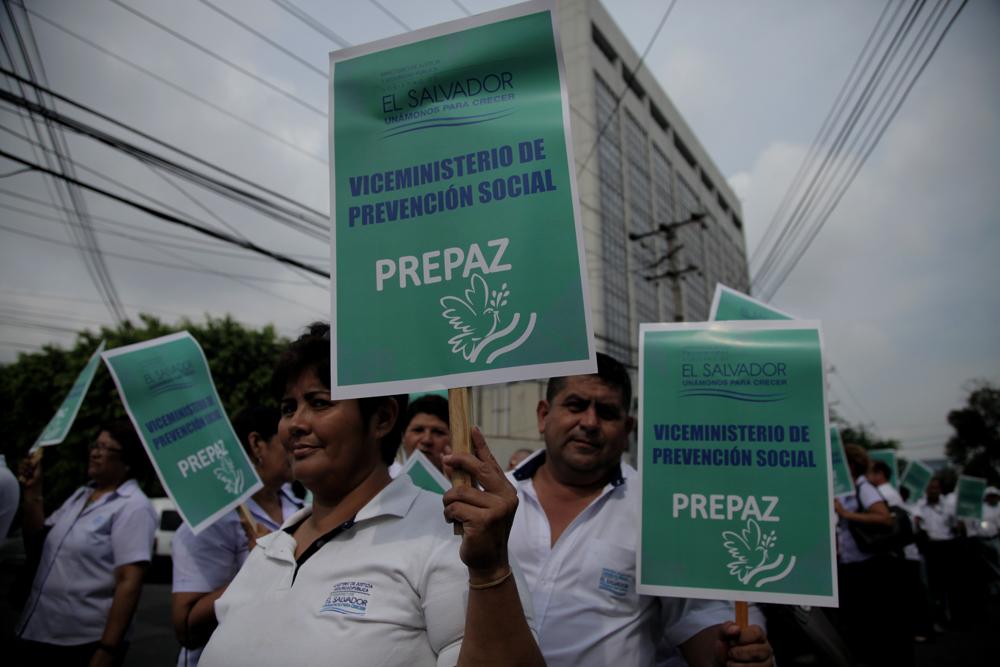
(873, 538)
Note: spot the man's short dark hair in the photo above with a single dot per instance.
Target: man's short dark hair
(255, 419)
(610, 371)
(430, 404)
(882, 468)
(311, 351)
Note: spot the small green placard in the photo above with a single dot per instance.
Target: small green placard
(969, 494)
(728, 304)
(915, 479)
(60, 424)
(423, 473)
(889, 457)
(842, 482)
(171, 399)
(734, 456)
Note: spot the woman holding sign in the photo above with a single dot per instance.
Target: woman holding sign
(872, 617)
(370, 573)
(96, 548)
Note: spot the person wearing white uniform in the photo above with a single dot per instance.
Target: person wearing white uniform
(913, 589)
(204, 564)
(575, 536)
(98, 544)
(936, 517)
(371, 574)
(873, 624)
(10, 496)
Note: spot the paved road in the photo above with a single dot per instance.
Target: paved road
(153, 643)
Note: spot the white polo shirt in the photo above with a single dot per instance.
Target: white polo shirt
(389, 589)
(937, 519)
(586, 607)
(72, 591)
(893, 499)
(212, 558)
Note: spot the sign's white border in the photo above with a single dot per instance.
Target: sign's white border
(500, 375)
(156, 342)
(735, 593)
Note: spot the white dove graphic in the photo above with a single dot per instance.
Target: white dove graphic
(477, 320)
(229, 476)
(749, 550)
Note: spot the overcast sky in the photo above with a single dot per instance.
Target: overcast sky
(903, 275)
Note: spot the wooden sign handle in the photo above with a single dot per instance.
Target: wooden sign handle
(461, 434)
(742, 615)
(246, 516)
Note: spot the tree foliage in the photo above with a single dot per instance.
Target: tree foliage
(32, 388)
(975, 446)
(860, 435)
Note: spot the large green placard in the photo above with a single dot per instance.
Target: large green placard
(915, 478)
(58, 427)
(456, 246)
(737, 498)
(171, 399)
(969, 497)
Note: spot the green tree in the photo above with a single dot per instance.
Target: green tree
(32, 388)
(860, 435)
(975, 446)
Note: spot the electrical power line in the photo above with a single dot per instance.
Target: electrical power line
(852, 148)
(624, 91)
(305, 224)
(177, 88)
(171, 218)
(263, 37)
(878, 131)
(222, 59)
(311, 22)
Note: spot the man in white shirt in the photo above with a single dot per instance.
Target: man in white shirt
(936, 517)
(575, 536)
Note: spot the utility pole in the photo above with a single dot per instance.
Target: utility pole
(673, 273)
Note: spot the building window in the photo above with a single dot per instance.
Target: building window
(684, 151)
(665, 212)
(603, 45)
(615, 286)
(646, 251)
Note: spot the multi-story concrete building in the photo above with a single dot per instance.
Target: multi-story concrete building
(661, 224)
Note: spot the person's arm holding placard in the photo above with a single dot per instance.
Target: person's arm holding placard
(496, 630)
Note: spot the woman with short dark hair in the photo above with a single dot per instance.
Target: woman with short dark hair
(370, 573)
(96, 548)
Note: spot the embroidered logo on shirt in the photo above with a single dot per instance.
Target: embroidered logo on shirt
(348, 597)
(615, 582)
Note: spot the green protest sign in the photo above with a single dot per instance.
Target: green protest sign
(58, 427)
(424, 474)
(737, 497)
(171, 399)
(888, 456)
(456, 245)
(843, 483)
(728, 304)
(915, 478)
(969, 497)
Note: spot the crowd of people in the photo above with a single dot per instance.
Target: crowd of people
(934, 574)
(366, 568)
